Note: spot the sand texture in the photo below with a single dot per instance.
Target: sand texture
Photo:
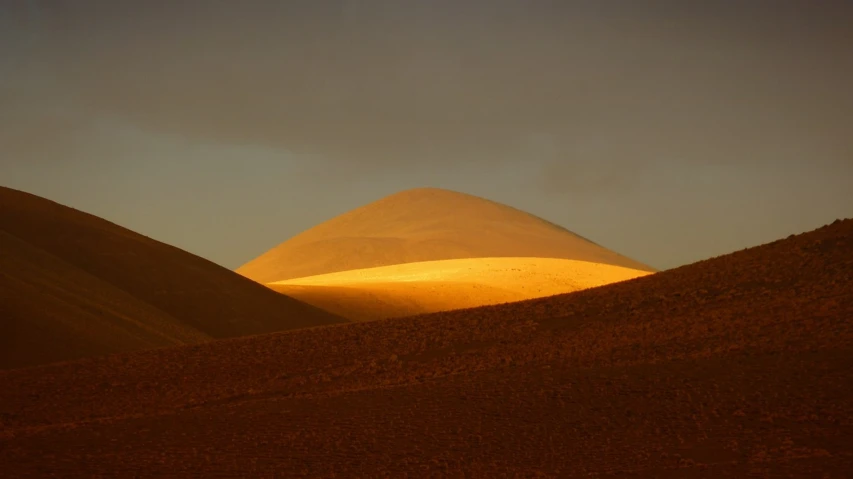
(74, 285)
(424, 224)
(738, 366)
(431, 286)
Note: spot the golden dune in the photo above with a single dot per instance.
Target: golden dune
(433, 286)
(424, 224)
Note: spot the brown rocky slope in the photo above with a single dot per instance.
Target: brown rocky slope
(737, 366)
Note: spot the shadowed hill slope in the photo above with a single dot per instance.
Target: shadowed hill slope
(424, 224)
(732, 367)
(53, 311)
(74, 285)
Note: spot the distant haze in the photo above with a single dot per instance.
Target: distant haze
(668, 131)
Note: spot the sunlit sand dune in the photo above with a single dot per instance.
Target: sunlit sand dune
(432, 286)
(424, 224)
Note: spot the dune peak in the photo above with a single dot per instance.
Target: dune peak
(424, 224)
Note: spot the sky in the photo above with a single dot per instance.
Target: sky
(667, 131)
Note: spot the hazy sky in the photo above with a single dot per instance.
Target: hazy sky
(668, 131)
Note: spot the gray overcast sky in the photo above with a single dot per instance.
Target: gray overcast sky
(668, 131)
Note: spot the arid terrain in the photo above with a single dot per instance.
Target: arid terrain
(738, 366)
(73, 285)
(432, 286)
(424, 224)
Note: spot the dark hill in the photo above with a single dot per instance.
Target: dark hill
(738, 366)
(75, 285)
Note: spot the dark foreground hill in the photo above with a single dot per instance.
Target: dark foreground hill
(739, 366)
(74, 285)
(424, 224)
